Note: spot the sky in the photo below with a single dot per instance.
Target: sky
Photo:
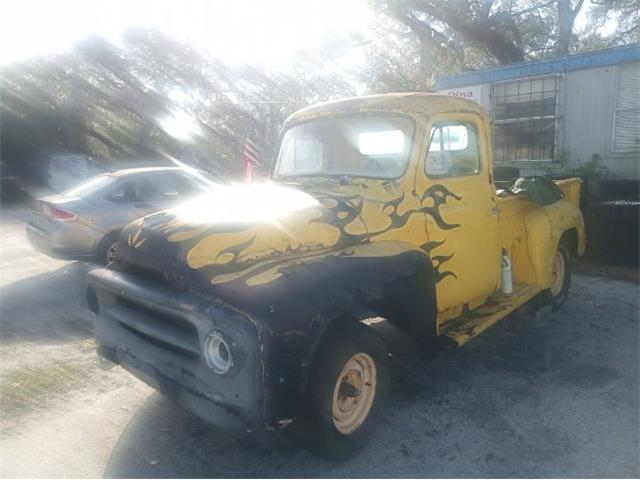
(240, 31)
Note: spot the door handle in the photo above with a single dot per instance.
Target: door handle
(496, 209)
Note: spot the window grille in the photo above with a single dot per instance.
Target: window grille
(524, 116)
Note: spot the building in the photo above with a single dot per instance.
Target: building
(554, 116)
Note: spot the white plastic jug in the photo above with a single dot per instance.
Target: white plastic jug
(507, 280)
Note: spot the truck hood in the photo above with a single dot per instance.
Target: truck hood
(227, 231)
(238, 232)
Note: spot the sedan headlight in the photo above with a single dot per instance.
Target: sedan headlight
(217, 353)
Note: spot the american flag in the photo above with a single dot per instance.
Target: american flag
(250, 155)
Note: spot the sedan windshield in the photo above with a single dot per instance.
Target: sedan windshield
(361, 146)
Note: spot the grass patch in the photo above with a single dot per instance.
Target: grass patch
(28, 387)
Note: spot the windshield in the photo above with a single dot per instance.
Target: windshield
(361, 146)
(90, 186)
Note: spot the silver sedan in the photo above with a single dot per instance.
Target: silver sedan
(84, 222)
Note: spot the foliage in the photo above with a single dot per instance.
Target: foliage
(593, 169)
(447, 36)
(113, 103)
(110, 102)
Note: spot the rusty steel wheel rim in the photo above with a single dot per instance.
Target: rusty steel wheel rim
(557, 274)
(354, 393)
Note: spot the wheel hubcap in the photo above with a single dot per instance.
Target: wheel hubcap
(353, 393)
(112, 251)
(557, 274)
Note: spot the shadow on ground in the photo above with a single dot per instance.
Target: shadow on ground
(536, 396)
(47, 308)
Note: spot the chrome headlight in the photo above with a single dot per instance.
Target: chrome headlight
(217, 353)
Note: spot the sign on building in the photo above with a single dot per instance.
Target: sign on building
(470, 93)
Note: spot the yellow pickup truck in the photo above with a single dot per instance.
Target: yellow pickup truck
(248, 306)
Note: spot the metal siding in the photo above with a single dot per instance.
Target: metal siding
(485, 97)
(587, 120)
(571, 63)
(626, 129)
(588, 114)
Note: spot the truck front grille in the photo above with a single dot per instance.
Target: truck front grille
(166, 331)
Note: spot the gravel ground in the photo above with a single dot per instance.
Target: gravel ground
(538, 395)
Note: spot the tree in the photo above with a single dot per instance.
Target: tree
(110, 103)
(625, 14)
(567, 14)
(493, 31)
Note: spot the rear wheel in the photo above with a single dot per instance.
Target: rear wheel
(560, 277)
(107, 249)
(347, 392)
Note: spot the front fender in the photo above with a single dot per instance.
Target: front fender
(299, 298)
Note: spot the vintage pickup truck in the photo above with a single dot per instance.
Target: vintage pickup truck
(249, 306)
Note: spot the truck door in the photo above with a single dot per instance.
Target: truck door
(459, 201)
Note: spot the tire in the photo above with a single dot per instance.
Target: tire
(335, 425)
(561, 277)
(107, 248)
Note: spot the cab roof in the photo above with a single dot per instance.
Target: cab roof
(413, 103)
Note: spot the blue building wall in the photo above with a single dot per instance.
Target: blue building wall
(571, 63)
(585, 110)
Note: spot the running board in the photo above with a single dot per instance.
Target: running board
(472, 324)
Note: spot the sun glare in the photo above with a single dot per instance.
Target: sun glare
(181, 126)
(240, 31)
(240, 203)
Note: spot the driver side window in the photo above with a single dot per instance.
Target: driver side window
(453, 150)
(123, 193)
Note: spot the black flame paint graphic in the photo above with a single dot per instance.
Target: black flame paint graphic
(438, 260)
(439, 195)
(342, 211)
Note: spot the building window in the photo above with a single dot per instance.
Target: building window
(626, 130)
(524, 116)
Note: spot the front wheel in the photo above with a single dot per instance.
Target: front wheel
(347, 393)
(560, 277)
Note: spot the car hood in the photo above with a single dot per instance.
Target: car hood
(223, 234)
(234, 227)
